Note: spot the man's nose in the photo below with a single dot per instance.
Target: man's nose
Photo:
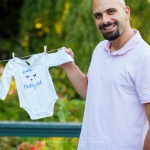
(105, 19)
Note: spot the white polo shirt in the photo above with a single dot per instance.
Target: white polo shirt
(118, 86)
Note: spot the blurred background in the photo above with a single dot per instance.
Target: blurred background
(27, 25)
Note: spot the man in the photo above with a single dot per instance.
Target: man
(117, 86)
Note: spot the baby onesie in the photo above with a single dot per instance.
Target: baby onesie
(34, 84)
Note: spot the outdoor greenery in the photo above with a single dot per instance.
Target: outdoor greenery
(25, 27)
(17, 143)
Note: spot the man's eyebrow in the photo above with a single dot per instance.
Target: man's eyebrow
(97, 13)
(111, 9)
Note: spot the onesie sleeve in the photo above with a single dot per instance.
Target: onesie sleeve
(6, 78)
(58, 58)
(142, 82)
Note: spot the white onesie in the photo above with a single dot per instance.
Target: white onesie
(33, 81)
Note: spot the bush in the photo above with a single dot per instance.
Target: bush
(18, 143)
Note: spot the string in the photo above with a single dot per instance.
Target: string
(29, 55)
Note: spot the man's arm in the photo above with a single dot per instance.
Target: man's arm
(77, 78)
(147, 139)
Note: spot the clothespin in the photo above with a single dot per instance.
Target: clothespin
(45, 49)
(13, 55)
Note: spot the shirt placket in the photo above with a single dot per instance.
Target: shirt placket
(107, 61)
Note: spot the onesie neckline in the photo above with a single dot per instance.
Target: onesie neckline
(28, 62)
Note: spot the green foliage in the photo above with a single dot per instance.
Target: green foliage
(9, 27)
(14, 143)
(140, 17)
(9, 143)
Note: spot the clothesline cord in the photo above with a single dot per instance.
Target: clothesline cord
(29, 55)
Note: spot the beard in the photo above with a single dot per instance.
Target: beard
(110, 35)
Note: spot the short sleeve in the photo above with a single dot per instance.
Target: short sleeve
(58, 58)
(6, 78)
(142, 81)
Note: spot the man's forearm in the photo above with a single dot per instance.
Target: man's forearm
(147, 141)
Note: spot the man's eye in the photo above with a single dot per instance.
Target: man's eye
(97, 16)
(111, 12)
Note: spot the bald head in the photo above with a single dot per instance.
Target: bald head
(122, 2)
(104, 4)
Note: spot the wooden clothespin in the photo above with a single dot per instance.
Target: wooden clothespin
(45, 49)
(13, 55)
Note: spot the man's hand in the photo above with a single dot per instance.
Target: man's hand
(70, 52)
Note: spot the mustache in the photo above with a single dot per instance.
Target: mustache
(107, 25)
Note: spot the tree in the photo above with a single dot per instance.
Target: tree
(9, 27)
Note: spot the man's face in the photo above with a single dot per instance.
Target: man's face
(110, 17)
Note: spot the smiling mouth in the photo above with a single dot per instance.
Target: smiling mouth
(108, 27)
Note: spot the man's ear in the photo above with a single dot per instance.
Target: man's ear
(127, 11)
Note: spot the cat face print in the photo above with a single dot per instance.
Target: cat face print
(30, 76)
(28, 73)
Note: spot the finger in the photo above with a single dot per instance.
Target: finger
(63, 48)
(70, 52)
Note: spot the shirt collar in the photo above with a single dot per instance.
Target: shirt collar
(127, 47)
(34, 59)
